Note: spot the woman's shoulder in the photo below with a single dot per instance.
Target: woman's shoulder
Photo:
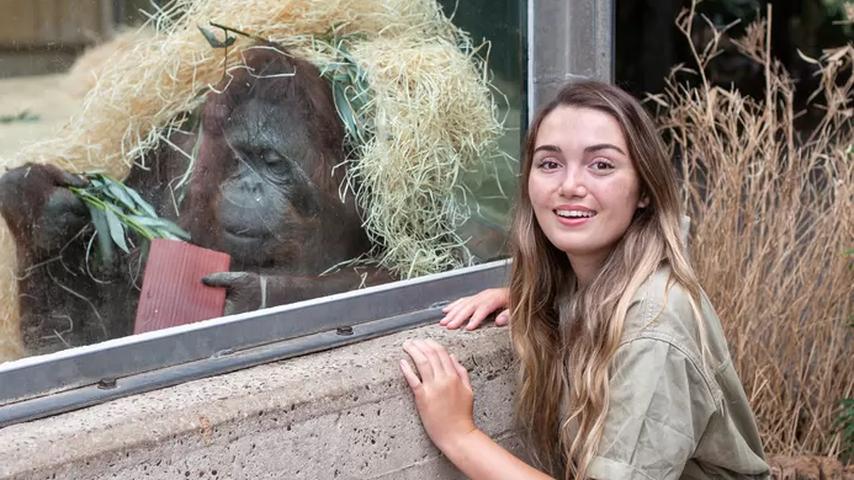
(664, 309)
(662, 289)
(661, 298)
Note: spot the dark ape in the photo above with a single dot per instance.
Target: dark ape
(263, 189)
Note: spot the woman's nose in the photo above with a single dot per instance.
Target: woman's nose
(573, 184)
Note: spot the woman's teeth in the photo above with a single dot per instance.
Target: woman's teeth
(575, 213)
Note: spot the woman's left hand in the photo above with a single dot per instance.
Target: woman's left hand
(443, 394)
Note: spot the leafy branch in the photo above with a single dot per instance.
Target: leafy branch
(117, 210)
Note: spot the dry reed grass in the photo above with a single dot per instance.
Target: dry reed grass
(772, 217)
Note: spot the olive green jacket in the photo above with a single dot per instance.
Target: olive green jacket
(677, 409)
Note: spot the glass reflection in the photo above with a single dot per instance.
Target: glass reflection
(256, 171)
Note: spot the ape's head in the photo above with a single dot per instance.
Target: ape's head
(264, 188)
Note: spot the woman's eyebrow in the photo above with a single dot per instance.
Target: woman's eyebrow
(547, 148)
(603, 146)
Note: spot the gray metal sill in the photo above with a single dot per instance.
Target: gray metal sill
(46, 385)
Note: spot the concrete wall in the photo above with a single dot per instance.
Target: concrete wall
(345, 413)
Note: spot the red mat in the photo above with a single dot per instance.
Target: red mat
(172, 289)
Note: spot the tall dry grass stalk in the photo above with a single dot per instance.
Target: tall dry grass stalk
(772, 220)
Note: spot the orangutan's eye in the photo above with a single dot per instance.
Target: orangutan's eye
(270, 157)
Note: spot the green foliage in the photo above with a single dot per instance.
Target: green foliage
(351, 90)
(845, 422)
(23, 116)
(215, 42)
(117, 210)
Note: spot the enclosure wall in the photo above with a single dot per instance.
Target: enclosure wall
(345, 413)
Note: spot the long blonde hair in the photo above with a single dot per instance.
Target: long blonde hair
(565, 352)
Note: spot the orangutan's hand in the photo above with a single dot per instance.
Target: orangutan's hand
(245, 291)
(39, 209)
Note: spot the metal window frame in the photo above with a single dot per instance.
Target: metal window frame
(568, 40)
(39, 386)
(565, 40)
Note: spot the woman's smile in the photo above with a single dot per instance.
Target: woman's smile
(574, 215)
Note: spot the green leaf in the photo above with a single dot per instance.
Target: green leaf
(145, 206)
(169, 236)
(117, 230)
(105, 246)
(140, 230)
(215, 42)
(345, 112)
(119, 192)
(23, 116)
(161, 225)
(95, 185)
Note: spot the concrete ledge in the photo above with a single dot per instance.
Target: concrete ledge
(344, 413)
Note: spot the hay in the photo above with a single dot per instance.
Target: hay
(88, 67)
(421, 146)
(431, 117)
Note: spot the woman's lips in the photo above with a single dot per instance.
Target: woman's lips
(574, 216)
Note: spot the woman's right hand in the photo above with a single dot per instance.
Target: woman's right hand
(476, 308)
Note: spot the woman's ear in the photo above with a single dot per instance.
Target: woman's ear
(643, 201)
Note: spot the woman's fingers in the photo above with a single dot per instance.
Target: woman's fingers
(461, 371)
(479, 316)
(503, 318)
(422, 362)
(447, 308)
(441, 355)
(459, 316)
(431, 360)
(435, 353)
(457, 312)
(410, 376)
(472, 311)
(443, 396)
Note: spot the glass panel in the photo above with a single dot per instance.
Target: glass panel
(500, 24)
(255, 170)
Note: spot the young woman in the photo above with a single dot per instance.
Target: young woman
(625, 372)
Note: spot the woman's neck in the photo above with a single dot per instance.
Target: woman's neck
(586, 267)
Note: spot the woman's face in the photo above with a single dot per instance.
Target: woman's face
(583, 185)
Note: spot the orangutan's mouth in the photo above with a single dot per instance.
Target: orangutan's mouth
(244, 232)
(244, 241)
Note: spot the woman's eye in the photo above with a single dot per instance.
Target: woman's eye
(547, 164)
(601, 165)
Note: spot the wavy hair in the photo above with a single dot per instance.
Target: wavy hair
(564, 334)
